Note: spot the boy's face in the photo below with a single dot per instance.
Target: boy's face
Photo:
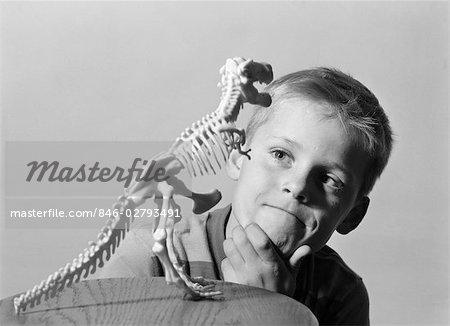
(302, 180)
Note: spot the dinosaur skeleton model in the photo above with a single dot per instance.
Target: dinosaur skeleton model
(198, 149)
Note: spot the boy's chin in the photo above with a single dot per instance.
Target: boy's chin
(286, 251)
(285, 244)
(285, 240)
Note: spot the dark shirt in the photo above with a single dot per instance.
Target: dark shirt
(325, 284)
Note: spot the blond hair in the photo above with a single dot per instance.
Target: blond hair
(350, 101)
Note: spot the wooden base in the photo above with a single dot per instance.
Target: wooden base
(149, 301)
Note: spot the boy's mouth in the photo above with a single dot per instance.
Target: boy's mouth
(298, 213)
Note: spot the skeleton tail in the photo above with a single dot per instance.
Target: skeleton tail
(199, 148)
(87, 262)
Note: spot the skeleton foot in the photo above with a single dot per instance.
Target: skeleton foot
(196, 287)
(203, 285)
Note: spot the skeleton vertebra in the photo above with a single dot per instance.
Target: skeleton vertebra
(199, 148)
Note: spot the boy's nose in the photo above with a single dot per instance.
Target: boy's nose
(298, 187)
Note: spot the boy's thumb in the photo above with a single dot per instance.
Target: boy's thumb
(297, 256)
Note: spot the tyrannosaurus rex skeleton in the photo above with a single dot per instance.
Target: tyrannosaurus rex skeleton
(196, 149)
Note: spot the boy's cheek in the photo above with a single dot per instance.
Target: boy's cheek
(319, 238)
(244, 212)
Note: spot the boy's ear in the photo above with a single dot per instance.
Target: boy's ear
(354, 217)
(234, 164)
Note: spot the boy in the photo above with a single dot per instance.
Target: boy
(316, 153)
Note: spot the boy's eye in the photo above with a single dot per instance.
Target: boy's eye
(332, 181)
(279, 155)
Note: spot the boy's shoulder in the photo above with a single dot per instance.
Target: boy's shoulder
(331, 289)
(328, 267)
(328, 261)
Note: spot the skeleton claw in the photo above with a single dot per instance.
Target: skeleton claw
(237, 139)
(201, 289)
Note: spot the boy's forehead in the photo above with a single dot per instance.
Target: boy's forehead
(299, 102)
(301, 122)
(298, 111)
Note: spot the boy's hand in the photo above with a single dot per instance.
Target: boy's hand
(252, 260)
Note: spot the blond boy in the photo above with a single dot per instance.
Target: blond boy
(316, 153)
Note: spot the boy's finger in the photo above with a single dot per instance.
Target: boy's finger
(232, 252)
(299, 253)
(244, 245)
(261, 243)
(228, 271)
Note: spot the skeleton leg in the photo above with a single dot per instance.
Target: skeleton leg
(164, 249)
(196, 287)
(160, 237)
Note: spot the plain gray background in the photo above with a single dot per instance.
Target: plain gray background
(143, 71)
